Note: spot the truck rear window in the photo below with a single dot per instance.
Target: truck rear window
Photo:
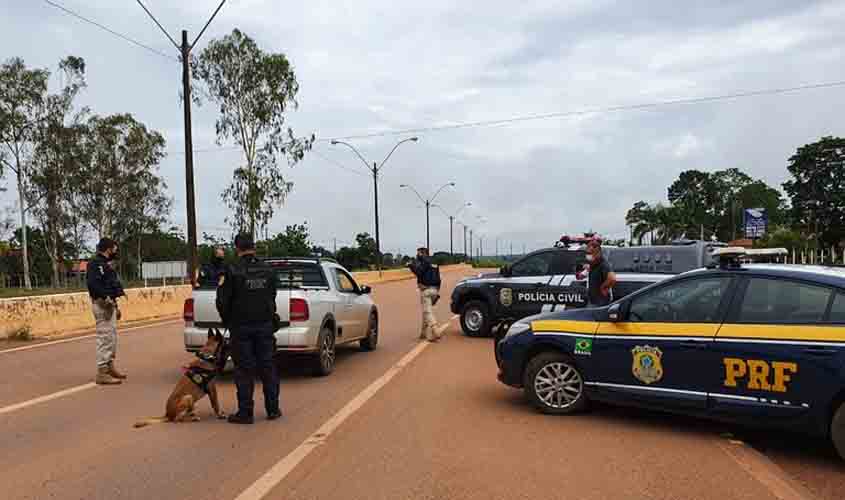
(298, 274)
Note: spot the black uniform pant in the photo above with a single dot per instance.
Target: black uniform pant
(253, 348)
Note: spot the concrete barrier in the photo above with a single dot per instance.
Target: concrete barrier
(56, 315)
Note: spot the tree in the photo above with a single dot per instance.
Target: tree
(22, 94)
(294, 241)
(817, 189)
(695, 198)
(366, 249)
(253, 90)
(122, 193)
(59, 155)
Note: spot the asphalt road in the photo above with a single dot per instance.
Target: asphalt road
(409, 420)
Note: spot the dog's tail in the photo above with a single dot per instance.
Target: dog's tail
(150, 421)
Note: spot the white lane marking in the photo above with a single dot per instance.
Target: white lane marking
(83, 337)
(48, 397)
(260, 488)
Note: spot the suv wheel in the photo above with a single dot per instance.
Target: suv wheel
(475, 319)
(837, 430)
(371, 341)
(554, 384)
(324, 364)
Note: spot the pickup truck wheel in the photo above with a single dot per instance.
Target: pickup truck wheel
(371, 341)
(554, 384)
(324, 364)
(837, 430)
(475, 319)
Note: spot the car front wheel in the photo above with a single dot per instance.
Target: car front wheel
(371, 341)
(554, 384)
(475, 319)
(837, 430)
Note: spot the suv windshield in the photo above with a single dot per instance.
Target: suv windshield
(298, 275)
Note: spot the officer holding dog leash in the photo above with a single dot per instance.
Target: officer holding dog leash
(246, 302)
(104, 288)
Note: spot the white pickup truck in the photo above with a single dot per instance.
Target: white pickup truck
(319, 302)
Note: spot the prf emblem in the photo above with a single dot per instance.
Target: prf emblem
(506, 297)
(647, 367)
(759, 375)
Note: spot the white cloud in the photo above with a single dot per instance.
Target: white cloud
(379, 65)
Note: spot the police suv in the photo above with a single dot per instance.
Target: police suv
(762, 344)
(545, 280)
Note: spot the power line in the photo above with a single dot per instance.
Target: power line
(608, 109)
(565, 114)
(109, 30)
(337, 164)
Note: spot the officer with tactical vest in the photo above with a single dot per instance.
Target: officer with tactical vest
(246, 302)
(104, 288)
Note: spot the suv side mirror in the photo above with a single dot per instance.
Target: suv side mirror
(505, 271)
(365, 290)
(614, 313)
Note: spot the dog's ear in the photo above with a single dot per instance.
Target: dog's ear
(218, 336)
(210, 335)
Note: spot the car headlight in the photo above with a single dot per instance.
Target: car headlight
(517, 328)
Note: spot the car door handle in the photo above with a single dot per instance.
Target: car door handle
(820, 351)
(693, 344)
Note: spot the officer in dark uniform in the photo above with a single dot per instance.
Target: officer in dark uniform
(211, 273)
(246, 301)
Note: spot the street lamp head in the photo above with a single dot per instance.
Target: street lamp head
(415, 139)
(469, 204)
(403, 185)
(334, 142)
(452, 184)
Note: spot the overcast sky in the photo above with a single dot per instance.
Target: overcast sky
(379, 65)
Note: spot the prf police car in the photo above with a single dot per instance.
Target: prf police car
(545, 280)
(762, 344)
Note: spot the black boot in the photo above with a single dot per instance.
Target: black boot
(241, 418)
(274, 414)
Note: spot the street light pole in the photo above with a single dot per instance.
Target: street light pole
(375, 169)
(427, 202)
(375, 201)
(427, 225)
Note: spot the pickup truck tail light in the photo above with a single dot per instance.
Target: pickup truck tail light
(188, 312)
(299, 310)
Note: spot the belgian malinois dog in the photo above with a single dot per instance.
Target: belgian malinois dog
(197, 381)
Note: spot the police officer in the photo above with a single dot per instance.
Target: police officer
(601, 278)
(246, 301)
(104, 288)
(429, 291)
(211, 273)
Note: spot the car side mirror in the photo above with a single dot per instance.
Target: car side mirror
(365, 290)
(614, 313)
(505, 271)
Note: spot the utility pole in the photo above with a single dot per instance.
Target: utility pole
(185, 51)
(471, 246)
(189, 159)
(335, 247)
(497, 248)
(523, 249)
(510, 255)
